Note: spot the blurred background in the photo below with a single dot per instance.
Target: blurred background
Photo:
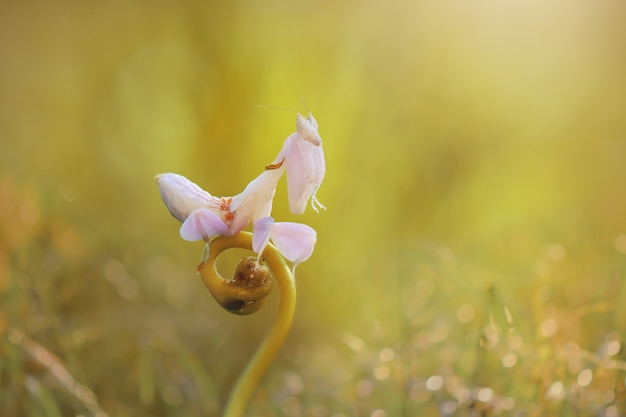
(472, 257)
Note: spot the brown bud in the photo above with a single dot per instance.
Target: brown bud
(243, 294)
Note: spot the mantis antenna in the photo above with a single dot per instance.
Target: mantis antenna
(278, 108)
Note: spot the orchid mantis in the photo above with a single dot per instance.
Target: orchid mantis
(205, 216)
(303, 157)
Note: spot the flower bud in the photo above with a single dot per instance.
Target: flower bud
(243, 294)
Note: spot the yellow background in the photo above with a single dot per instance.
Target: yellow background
(476, 156)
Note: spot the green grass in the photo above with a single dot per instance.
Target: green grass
(443, 336)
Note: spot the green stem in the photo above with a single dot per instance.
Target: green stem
(249, 379)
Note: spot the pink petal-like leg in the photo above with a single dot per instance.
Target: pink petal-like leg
(203, 224)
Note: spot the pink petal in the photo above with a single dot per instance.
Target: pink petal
(261, 230)
(295, 241)
(203, 224)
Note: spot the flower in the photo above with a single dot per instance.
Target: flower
(303, 157)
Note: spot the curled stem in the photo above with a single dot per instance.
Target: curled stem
(249, 379)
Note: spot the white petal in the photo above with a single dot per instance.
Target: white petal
(295, 241)
(182, 196)
(203, 224)
(261, 230)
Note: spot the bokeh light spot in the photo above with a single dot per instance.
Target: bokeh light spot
(620, 243)
(434, 383)
(448, 408)
(611, 411)
(484, 394)
(462, 394)
(584, 377)
(613, 347)
(294, 382)
(509, 360)
(506, 403)
(354, 342)
(379, 413)
(364, 388)
(418, 393)
(291, 406)
(556, 391)
(386, 355)
(555, 252)
(382, 372)
(548, 328)
(465, 313)
(608, 397)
